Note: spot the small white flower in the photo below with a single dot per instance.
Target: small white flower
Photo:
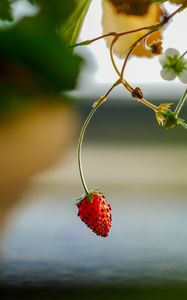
(173, 65)
(167, 74)
(183, 76)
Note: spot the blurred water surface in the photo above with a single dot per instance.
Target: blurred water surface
(45, 243)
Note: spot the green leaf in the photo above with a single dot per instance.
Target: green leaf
(5, 10)
(57, 11)
(35, 62)
(33, 45)
(70, 30)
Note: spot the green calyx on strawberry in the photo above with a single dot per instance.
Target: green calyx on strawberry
(95, 212)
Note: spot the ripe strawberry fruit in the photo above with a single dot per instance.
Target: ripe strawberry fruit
(95, 212)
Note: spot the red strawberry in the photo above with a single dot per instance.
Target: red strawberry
(95, 212)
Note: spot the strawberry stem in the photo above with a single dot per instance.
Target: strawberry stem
(96, 105)
(179, 59)
(80, 148)
(120, 74)
(131, 50)
(180, 104)
(156, 26)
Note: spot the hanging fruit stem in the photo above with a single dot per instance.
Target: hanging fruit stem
(180, 104)
(95, 106)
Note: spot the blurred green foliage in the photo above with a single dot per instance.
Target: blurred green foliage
(35, 59)
(5, 10)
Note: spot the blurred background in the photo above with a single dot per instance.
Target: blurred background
(45, 249)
